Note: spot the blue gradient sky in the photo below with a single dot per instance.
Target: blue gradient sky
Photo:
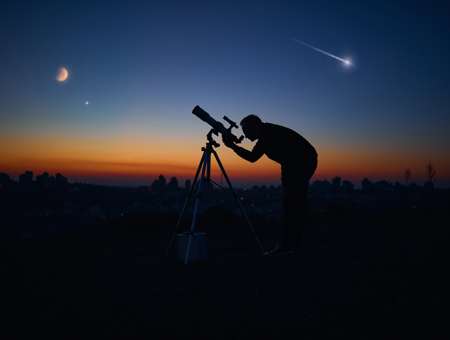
(144, 65)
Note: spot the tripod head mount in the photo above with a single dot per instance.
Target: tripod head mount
(211, 141)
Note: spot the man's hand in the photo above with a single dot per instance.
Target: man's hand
(228, 142)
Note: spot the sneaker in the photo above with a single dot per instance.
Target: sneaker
(280, 250)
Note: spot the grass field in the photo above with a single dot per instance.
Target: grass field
(367, 279)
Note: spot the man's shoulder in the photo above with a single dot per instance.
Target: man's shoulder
(282, 134)
(274, 128)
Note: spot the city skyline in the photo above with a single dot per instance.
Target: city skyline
(135, 71)
(173, 181)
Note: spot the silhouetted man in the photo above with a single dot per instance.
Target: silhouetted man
(298, 160)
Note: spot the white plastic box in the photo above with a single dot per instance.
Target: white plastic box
(198, 246)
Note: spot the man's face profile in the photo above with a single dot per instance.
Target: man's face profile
(251, 132)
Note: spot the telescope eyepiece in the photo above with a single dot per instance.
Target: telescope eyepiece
(233, 124)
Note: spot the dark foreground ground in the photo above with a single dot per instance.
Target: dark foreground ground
(367, 279)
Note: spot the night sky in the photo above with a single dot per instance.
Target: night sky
(136, 69)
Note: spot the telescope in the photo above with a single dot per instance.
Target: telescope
(205, 169)
(217, 126)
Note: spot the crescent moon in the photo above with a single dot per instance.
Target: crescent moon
(62, 74)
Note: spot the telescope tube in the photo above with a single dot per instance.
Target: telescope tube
(203, 115)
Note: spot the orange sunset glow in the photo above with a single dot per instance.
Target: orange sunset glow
(125, 160)
(119, 111)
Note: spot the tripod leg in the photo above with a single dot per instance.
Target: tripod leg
(208, 169)
(187, 200)
(206, 162)
(236, 198)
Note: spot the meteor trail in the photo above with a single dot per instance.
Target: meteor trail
(347, 62)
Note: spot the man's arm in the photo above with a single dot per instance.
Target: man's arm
(251, 156)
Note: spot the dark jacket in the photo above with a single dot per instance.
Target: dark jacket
(284, 146)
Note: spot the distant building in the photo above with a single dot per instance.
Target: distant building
(4, 178)
(316, 185)
(366, 185)
(336, 183)
(26, 178)
(60, 179)
(162, 181)
(173, 184)
(43, 179)
(320, 186)
(52, 180)
(159, 184)
(347, 186)
(326, 186)
(383, 186)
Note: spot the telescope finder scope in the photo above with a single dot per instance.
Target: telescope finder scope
(217, 126)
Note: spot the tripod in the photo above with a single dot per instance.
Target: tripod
(205, 166)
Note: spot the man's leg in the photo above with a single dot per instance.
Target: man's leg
(295, 207)
(294, 210)
(294, 216)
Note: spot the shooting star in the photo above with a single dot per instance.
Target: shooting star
(347, 62)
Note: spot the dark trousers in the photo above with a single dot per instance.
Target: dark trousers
(294, 206)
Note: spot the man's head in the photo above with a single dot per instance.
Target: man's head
(252, 127)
